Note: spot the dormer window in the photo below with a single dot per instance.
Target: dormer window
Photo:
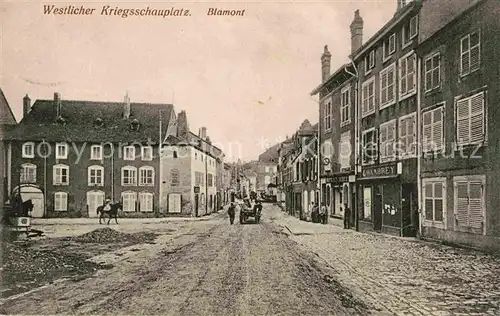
(369, 61)
(134, 125)
(410, 31)
(98, 122)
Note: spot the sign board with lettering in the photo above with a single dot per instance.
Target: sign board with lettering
(380, 171)
(338, 179)
(196, 189)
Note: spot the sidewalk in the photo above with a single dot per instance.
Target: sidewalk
(406, 276)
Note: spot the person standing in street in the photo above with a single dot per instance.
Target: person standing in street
(347, 217)
(231, 212)
(322, 213)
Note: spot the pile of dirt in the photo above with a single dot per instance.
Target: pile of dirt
(21, 263)
(108, 235)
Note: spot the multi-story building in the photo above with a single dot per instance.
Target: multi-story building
(387, 118)
(266, 168)
(226, 183)
(337, 95)
(460, 92)
(189, 172)
(7, 122)
(69, 155)
(284, 183)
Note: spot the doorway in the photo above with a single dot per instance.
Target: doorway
(377, 212)
(196, 203)
(37, 198)
(94, 200)
(410, 217)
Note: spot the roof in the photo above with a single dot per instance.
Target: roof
(206, 146)
(397, 18)
(436, 14)
(340, 71)
(270, 155)
(6, 115)
(80, 122)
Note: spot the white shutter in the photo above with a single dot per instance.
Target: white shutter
(391, 86)
(365, 100)
(412, 65)
(402, 76)
(427, 130)
(464, 56)
(383, 88)
(437, 127)
(383, 140)
(476, 205)
(463, 122)
(410, 135)
(475, 51)
(477, 124)
(371, 98)
(403, 136)
(391, 135)
(462, 203)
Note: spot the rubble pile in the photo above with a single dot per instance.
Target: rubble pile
(21, 263)
(108, 235)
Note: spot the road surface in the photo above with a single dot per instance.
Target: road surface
(205, 268)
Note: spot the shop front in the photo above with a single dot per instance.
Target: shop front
(388, 199)
(339, 192)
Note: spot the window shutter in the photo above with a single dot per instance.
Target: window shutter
(475, 51)
(437, 127)
(383, 88)
(427, 130)
(391, 135)
(402, 76)
(462, 206)
(383, 141)
(412, 65)
(476, 205)
(391, 87)
(403, 136)
(463, 122)
(371, 94)
(477, 124)
(464, 62)
(410, 137)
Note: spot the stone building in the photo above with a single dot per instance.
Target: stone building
(7, 122)
(69, 155)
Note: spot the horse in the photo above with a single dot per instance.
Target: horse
(113, 212)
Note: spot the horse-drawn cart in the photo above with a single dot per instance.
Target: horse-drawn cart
(16, 217)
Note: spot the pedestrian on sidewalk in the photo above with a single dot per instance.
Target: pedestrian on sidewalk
(347, 217)
(314, 213)
(231, 212)
(322, 213)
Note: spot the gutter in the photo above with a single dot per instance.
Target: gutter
(354, 208)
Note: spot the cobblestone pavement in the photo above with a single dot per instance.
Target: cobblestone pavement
(406, 276)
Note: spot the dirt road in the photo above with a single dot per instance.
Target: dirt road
(206, 268)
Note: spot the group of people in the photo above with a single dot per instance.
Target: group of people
(232, 208)
(320, 214)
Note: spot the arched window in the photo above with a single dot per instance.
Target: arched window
(129, 175)
(129, 201)
(146, 201)
(146, 176)
(28, 173)
(95, 175)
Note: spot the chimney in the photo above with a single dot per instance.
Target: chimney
(182, 125)
(26, 105)
(401, 5)
(356, 32)
(126, 107)
(325, 64)
(57, 101)
(203, 133)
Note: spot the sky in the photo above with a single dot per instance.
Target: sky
(247, 79)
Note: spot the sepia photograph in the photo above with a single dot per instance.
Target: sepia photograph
(281, 157)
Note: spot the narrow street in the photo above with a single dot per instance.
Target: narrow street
(204, 268)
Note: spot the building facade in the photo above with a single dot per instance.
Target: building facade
(68, 156)
(7, 122)
(459, 90)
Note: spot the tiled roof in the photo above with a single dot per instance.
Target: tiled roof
(6, 115)
(270, 155)
(80, 122)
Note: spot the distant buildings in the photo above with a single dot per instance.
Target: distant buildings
(7, 122)
(68, 156)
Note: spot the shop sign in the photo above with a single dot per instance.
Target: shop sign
(338, 179)
(380, 171)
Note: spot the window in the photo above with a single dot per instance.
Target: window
(146, 176)
(387, 137)
(407, 75)
(432, 66)
(434, 201)
(129, 200)
(199, 178)
(469, 201)
(210, 180)
(470, 120)
(28, 150)
(388, 86)
(60, 201)
(368, 97)
(28, 173)
(61, 151)
(433, 129)
(129, 176)
(410, 30)
(328, 115)
(470, 53)
(202, 157)
(407, 135)
(96, 175)
(267, 168)
(389, 47)
(146, 201)
(267, 180)
(96, 152)
(369, 62)
(174, 177)
(345, 150)
(60, 175)
(345, 106)
(147, 153)
(129, 153)
(370, 148)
